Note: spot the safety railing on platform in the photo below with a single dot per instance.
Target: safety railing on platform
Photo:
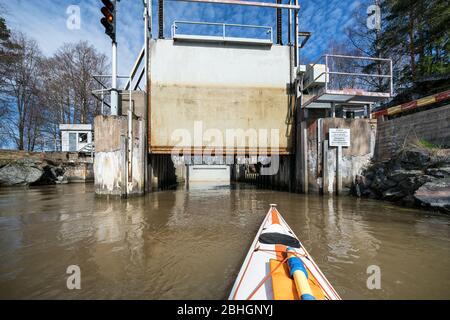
(88, 149)
(104, 93)
(221, 31)
(342, 74)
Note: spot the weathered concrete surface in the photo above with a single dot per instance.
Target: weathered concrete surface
(108, 172)
(113, 174)
(322, 164)
(225, 87)
(431, 125)
(137, 102)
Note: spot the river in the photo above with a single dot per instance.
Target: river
(190, 244)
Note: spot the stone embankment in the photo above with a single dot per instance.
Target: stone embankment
(415, 176)
(18, 168)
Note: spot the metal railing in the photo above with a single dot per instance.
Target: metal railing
(88, 149)
(345, 69)
(223, 34)
(105, 91)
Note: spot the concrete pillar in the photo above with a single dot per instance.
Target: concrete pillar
(325, 167)
(304, 157)
(338, 171)
(111, 166)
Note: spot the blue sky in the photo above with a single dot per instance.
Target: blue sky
(45, 21)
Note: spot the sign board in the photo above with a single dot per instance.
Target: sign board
(339, 137)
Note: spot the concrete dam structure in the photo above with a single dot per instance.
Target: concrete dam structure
(241, 104)
(222, 86)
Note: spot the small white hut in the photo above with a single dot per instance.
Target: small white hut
(76, 137)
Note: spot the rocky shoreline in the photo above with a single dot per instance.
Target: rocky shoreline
(23, 172)
(25, 168)
(414, 177)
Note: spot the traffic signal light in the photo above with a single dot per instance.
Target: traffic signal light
(108, 21)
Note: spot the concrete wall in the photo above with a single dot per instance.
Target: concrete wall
(321, 160)
(137, 102)
(80, 172)
(224, 86)
(113, 175)
(431, 125)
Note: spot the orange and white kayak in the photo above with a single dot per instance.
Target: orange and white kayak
(278, 267)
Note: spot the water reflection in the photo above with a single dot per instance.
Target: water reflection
(190, 244)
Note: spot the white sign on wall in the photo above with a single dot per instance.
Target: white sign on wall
(339, 137)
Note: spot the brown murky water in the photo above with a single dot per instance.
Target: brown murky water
(190, 245)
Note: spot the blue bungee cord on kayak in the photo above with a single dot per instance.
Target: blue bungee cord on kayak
(298, 272)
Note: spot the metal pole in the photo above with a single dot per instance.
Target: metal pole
(392, 80)
(289, 24)
(338, 171)
(279, 24)
(325, 179)
(247, 3)
(305, 157)
(296, 33)
(147, 37)
(103, 98)
(160, 19)
(114, 93)
(326, 73)
(130, 141)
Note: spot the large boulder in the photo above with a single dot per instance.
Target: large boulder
(442, 172)
(21, 172)
(415, 158)
(394, 194)
(400, 175)
(411, 184)
(435, 194)
(51, 174)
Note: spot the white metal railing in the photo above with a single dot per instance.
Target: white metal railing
(88, 148)
(223, 35)
(353, 62)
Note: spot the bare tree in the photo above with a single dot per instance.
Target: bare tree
(22, 89)
(77, 63)
(68, 86)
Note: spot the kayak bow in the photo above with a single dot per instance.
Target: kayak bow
(278, 267)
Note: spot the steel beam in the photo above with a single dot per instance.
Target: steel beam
(246, 3)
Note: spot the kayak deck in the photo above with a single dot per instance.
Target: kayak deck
(264, 274)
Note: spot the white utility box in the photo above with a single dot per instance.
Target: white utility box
(315, 75)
